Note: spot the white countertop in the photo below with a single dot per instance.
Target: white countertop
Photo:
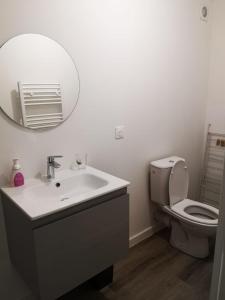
(38, 198)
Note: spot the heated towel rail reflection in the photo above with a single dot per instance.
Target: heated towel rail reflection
(41, 104)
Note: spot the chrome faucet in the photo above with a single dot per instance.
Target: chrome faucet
(52, 165)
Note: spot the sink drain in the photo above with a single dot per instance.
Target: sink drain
(64, 199)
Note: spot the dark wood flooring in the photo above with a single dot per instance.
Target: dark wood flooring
(154, 270)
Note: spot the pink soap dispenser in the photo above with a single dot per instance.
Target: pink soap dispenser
(17, 178)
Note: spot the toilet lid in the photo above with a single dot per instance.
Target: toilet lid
(178, 183)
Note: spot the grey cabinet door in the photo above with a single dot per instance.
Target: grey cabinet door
(73, 249)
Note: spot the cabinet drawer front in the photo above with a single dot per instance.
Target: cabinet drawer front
(72, 250)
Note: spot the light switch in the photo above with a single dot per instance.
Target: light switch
(119, 132)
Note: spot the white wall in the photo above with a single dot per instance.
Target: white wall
(142, 64)
(216, 95)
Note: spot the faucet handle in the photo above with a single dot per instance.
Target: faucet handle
(52, 157)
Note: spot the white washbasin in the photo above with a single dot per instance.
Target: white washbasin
(64, 189)
(38, 198)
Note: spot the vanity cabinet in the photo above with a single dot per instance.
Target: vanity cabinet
(56, 253)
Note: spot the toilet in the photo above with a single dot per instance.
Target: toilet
(192, 223)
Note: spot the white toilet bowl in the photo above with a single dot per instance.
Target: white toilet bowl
(192, 222)
(189, 233)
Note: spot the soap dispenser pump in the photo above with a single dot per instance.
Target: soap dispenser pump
(17, 178)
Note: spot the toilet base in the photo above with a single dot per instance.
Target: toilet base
(188, 242)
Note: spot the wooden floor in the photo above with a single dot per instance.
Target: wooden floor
(154, 270)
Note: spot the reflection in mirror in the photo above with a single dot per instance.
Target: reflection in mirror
(39, 81)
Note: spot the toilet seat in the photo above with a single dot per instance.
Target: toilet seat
(189, 209)
(196, 211)
(178, 183)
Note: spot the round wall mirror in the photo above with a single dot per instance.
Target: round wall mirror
(39, 81)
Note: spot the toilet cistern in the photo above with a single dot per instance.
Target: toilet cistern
(52, 165)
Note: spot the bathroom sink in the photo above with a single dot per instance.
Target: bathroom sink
(38, 198)
(64, 189)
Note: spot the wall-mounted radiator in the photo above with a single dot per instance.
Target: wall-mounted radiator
(213, 169)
